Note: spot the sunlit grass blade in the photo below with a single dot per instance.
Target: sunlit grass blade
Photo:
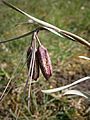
(55, 29)
(84, 57)
(66, 86)
(75, 37)
(45, 24)
(42, 23)
(75, 92)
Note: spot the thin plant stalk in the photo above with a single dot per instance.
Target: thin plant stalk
(30, 79)
(31, 70)
(28, 73)
(12, 77)
(21, 36)
(50, 27)
(38, 39)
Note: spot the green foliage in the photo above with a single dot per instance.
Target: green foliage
(71, 15)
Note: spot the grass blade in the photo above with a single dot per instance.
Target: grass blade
(75, 92)
(84, 57)
(66, 86)
(50, 26)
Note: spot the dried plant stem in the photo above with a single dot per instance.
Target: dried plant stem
(75, 37)
(66, 86)
(50, 27)
(31, 68)
(84, 57)
(30, 78)
(75, 92)
(5, 89)
(38, 39)
(28, 73)
(21, 36)
(12, 77)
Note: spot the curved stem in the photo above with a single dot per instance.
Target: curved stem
(51, 27)
(12, 77)
(21, 36)
(36, 36)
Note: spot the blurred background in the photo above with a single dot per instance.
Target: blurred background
(69, 15)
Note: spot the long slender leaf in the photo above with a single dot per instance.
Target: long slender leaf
(75, 92)
(50, 26)
(84, 57)
(66, 86)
